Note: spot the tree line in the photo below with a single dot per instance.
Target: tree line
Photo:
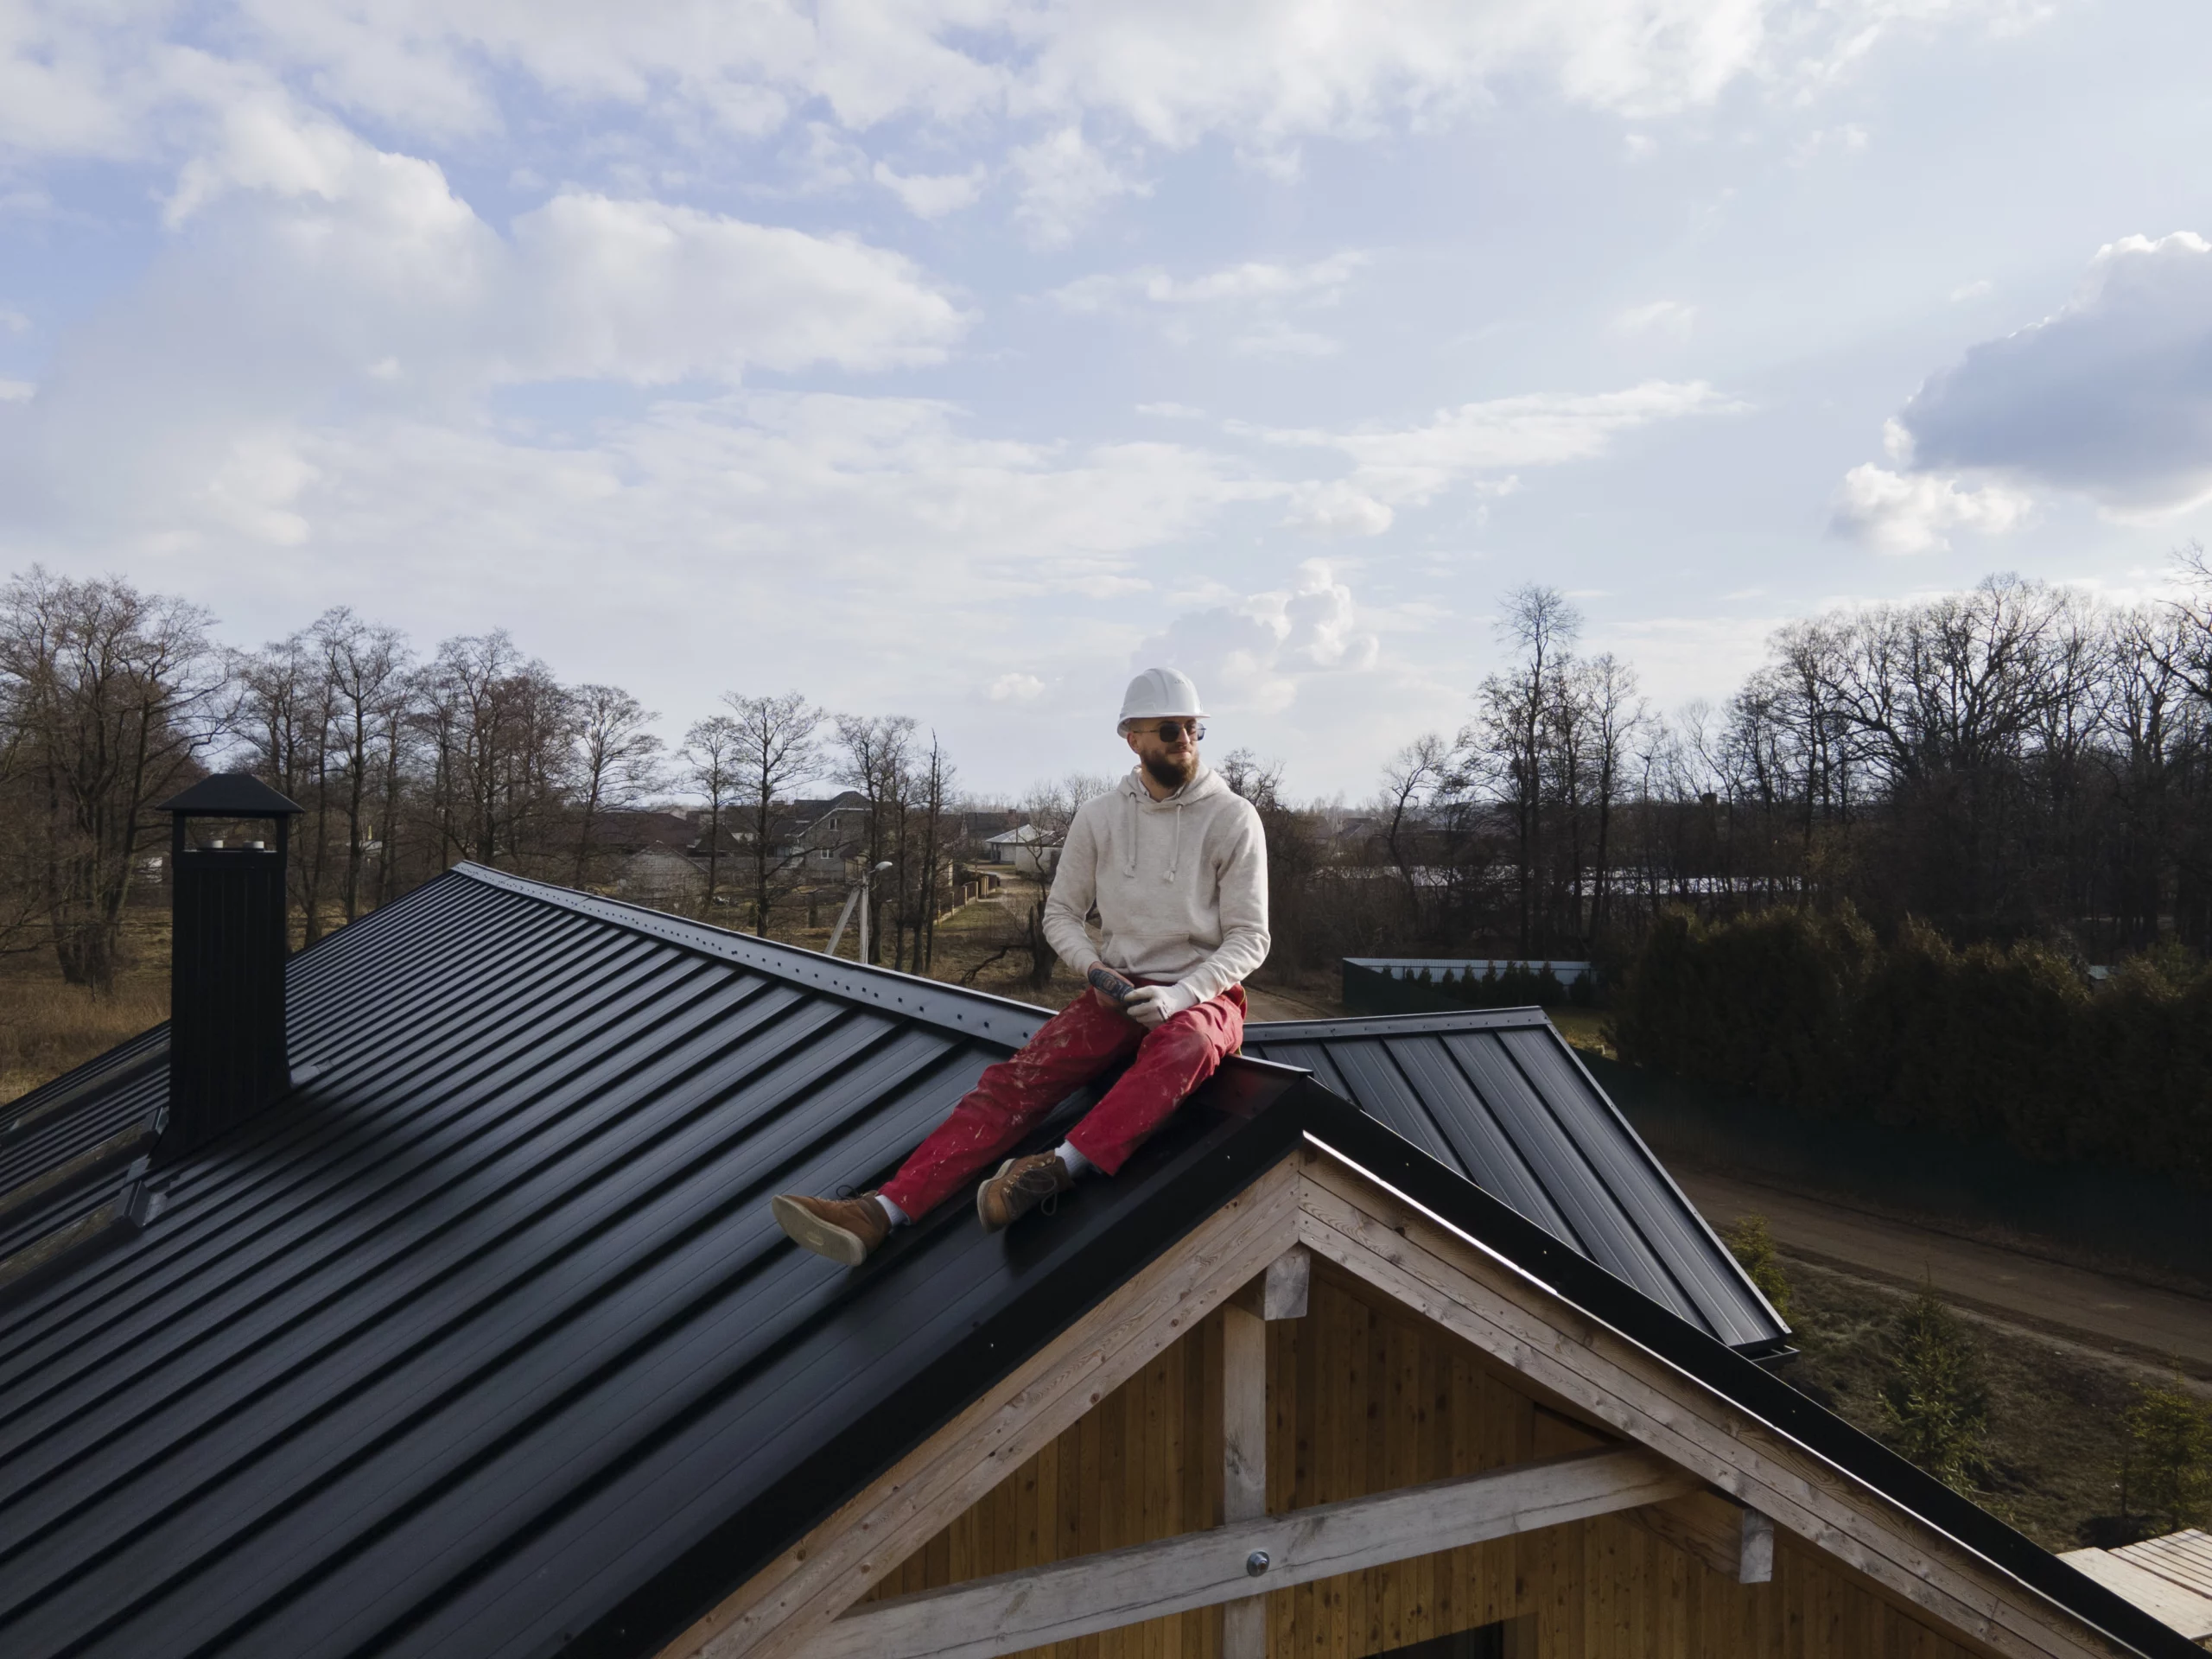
(2014, 762)
(112, 699)
(2018, 761)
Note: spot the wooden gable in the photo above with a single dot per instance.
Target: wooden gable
(1617, 1507)
(1366, 1397)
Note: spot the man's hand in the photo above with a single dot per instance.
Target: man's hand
(1147, 1005)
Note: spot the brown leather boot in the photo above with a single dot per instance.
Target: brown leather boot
(1020, 1186)
(845, 1229)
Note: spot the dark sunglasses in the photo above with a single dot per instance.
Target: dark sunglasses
(1171, 731)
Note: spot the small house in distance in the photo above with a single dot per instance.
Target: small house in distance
(1025, 848)
(461, 1329)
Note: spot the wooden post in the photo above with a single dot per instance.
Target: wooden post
(1278, 1293)
(1244, 1462)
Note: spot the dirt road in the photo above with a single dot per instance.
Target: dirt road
(2108, 1313)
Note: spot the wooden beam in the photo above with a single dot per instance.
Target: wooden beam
(1244, 1458)
(1734, 1540)
(1280, 1292)
(1013, 1611)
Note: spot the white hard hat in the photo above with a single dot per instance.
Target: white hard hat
(1159, 692)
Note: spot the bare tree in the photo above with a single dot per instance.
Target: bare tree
(1616, 717)
(714, 760)
(616, 759)
(778, 751)
(2192, 656)
(364, 669)
(1416, 777)
(499, 727)
(875, 758)
(1540, 627)
(283, 716)
(934, 775)
(110, 694)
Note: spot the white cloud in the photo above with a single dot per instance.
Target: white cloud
(14, 322)
(1320, 281)
(2111, 397)
(1973, 291)
(1064, 182)
(1844, 140)
(16, 391)
(1254, 654)
(1670, 317)
(1915, 513)
(1017, 688)
(111, 79)
(1172, 412)
(1414, 464)
(1336, 508)
(871, 518)
(645, 292)
(932, 196)
(324, 282)
(1261, 291)
(1275, 338)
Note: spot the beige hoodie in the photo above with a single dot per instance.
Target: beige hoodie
(1180, 885)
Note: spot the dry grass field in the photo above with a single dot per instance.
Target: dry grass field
(48, 1027)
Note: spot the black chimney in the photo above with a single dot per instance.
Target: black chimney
(227, 962)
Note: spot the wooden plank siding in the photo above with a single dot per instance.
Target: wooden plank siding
(1365, 1397)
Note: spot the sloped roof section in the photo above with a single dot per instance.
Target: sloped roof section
(481, 1340)
(424, 1331)
(1500, 1097)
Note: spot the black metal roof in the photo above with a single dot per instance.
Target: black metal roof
(482, 1341)
(1500, 1097)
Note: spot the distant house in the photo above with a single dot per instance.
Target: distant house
(815, 838)
(1024, 847)
(663, 877)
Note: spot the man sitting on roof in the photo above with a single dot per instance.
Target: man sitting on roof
(1176, 864)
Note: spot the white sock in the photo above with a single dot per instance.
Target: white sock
(897, 1217)
(1073, 1161)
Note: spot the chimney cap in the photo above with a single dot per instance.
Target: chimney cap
(231, 795)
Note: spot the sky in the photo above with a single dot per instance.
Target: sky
(957, 357)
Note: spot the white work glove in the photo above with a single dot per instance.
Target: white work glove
(1152, 1005)
(1145, 1005)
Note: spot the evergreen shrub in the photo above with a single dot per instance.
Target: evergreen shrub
(1810, 1011)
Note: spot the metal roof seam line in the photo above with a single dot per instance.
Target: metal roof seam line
(861, 981)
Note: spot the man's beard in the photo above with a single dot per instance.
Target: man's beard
(1172, 770)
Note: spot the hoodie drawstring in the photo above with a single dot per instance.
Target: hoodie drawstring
(1136, 815)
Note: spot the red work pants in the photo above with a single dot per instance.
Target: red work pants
(1068, 1051)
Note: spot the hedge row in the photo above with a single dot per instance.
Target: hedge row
(1814, 1013)
(1370, 990)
